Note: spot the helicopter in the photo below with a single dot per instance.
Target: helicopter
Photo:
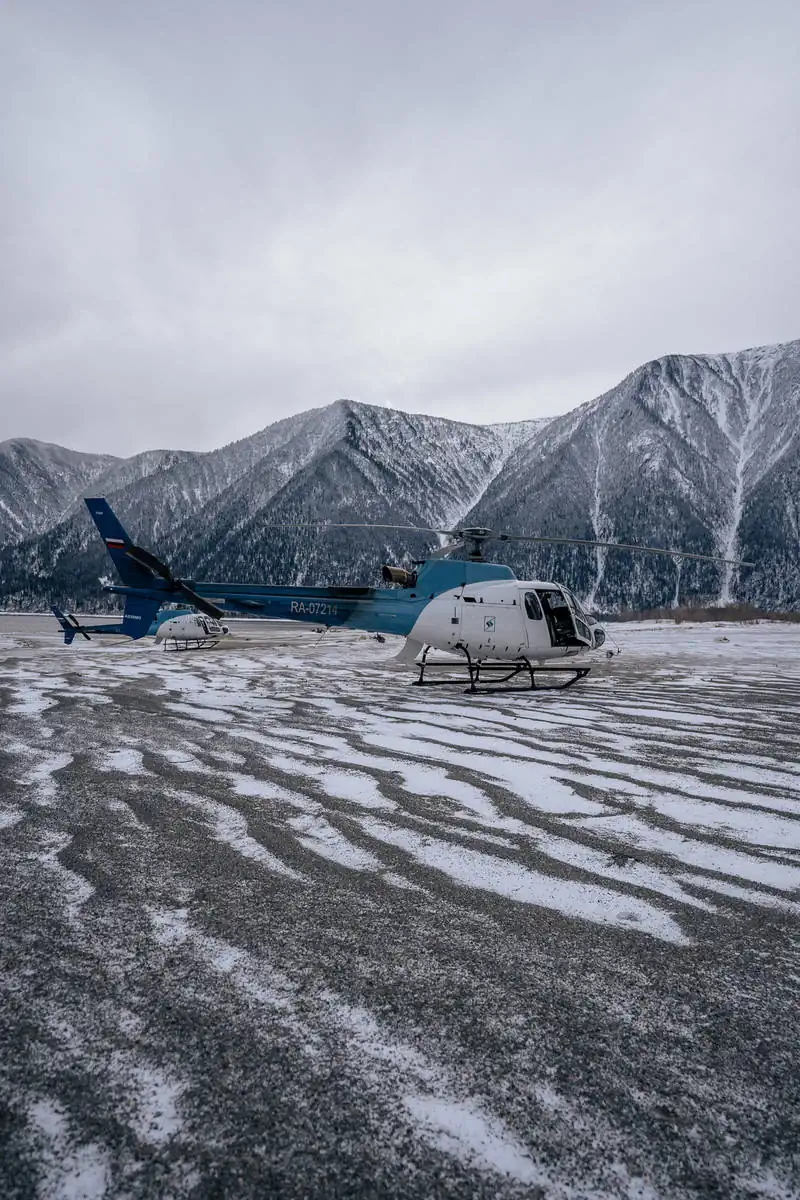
(190, 631)
(497, 627)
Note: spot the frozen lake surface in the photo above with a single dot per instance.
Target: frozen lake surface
(277, 923)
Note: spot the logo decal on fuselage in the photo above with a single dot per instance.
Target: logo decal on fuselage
(488, 624)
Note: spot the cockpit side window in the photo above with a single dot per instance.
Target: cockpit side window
(532, 606)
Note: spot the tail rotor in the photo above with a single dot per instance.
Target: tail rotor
(69, 624)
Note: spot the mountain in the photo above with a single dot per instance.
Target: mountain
(356, 463)
(212, 514)
(39, 483)
(697, 451)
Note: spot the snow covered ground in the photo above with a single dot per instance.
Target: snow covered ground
(277, 923)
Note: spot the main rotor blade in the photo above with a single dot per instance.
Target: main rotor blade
(206, 606)
(145, 559)
(461, 534)
(513, 537)
(357, 525)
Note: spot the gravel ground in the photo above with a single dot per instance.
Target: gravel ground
(278, 924)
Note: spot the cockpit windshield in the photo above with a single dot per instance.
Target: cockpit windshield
(532, 606)
(576, 608)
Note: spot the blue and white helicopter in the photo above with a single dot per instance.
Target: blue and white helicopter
(496, 626)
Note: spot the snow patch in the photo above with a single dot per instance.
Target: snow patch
(461, 1129)
(319, 836)
(75, 888)
(41, 778)
(230, 827)
(29, 702)
(157, 1097)
(70, 1171)
(126, 760)
(456, 1123)
(485, 872)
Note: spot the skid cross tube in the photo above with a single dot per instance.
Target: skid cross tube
(503, 672)
(188, 644)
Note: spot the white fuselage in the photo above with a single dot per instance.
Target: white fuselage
(508, 620)
(191, 629)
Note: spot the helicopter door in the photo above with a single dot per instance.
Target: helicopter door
(564, 629)
(537, 632)
(582, 629)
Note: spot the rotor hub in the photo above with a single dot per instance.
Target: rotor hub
(473, 540)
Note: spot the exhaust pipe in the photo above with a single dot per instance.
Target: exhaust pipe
(399, 575)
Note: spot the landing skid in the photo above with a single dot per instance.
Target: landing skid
(503, 673)
(181, 644)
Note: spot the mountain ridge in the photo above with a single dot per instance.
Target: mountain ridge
(706, 438)
(697, 451)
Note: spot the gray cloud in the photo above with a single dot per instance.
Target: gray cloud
(216, 215)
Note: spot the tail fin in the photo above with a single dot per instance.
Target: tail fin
(69, 625)
(139, 614)
(117, 542)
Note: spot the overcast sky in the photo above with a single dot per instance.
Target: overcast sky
(217, 214)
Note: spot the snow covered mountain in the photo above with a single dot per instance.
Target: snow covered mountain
(353, 463)
(39, 483)
(212, 514)
(699, 451)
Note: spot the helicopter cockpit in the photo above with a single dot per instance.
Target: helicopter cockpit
(566, 622)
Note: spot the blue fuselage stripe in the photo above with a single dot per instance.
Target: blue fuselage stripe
(375, 610)
(384, 611)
